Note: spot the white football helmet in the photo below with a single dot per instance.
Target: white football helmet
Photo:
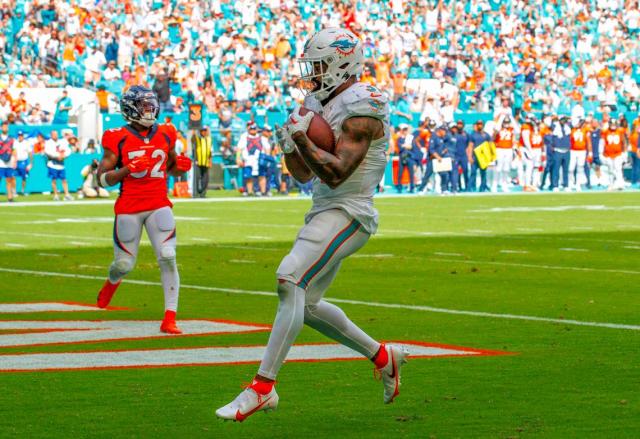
(330, 57)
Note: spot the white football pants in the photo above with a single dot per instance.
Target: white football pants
(503, 169)
(303, 277)
(614, 171)
(577, 159)
(531, 168)
(161, 229)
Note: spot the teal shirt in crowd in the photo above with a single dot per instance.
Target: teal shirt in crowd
(62, 115)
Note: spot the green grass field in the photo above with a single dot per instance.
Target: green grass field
(465, 271)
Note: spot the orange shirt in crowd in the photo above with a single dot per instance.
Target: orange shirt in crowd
(613, 142)
(504, 138)
(579, 139)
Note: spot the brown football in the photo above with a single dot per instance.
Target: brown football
(320, 132)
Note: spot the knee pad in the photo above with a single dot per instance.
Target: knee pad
(167, 257)
(287, 268)
(122, 266)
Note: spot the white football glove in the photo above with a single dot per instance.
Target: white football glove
(298, 122)
(285, 142)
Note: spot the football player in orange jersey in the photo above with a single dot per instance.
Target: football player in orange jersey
(614, 147)
(580, 151)
(139, 156)
(504, 149)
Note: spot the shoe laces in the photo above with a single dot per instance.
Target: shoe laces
(377, 374)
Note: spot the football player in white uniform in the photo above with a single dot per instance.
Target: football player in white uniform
(342, 217)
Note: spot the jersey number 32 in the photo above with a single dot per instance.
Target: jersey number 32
(158, 154)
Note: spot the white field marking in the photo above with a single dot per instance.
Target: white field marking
(537, 266)
(101, 267)
(200, 239)
(447, 254)
(207, 356)
(632, 247)
(569, 249)
(241, 261)
(52, 235)
(247, 247)
(529, 229)
(81, 243)
(85, 331)
(581, 228)
(372, 255)
(98, 220)
(13, 308)
(515, 252)
(627, 226)
(478, 231)
(50, 255)
(597, 207)
(381, 304)
(259, 237)
(15, 245)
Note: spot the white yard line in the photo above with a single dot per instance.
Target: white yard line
(359, 302)
(15, 245)
(241, 261)
(514, 252)
(50, 255)
(569, 249)
(632, 247)
(447, 254)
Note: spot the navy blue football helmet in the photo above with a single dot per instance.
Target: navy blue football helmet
(140, 104)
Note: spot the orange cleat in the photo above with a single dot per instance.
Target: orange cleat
(106, 293)
(168, 325)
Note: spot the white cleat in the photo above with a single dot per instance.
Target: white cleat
(247, 403)
(390, 374)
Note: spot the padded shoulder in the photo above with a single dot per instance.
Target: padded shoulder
(112, 138)
(366, 100)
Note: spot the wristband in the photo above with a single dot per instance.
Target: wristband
(103, 180)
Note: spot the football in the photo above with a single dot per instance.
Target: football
(320, 132)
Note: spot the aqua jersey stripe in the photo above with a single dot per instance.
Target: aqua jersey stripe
(331, 249)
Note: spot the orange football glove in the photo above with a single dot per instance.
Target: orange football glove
(139, 164)
(183, 163)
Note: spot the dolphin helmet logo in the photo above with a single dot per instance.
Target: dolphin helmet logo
(344, 44)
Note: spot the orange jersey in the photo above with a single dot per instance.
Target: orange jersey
(579, 137)
(525, 134)
(536, 139)
(504, 138)
(613, 142)
(145, 190)
(425, 136)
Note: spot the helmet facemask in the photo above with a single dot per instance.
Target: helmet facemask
(148, 108)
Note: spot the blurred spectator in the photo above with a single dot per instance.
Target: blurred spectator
(90, 186)
(24, 158)
(7, 161)
(63, 106)
(250, 146)
(57, 150)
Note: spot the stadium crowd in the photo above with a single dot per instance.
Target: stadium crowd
(529, 63)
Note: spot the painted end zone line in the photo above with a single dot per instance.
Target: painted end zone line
(353, 302)
(18, 308)
(210, 356)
